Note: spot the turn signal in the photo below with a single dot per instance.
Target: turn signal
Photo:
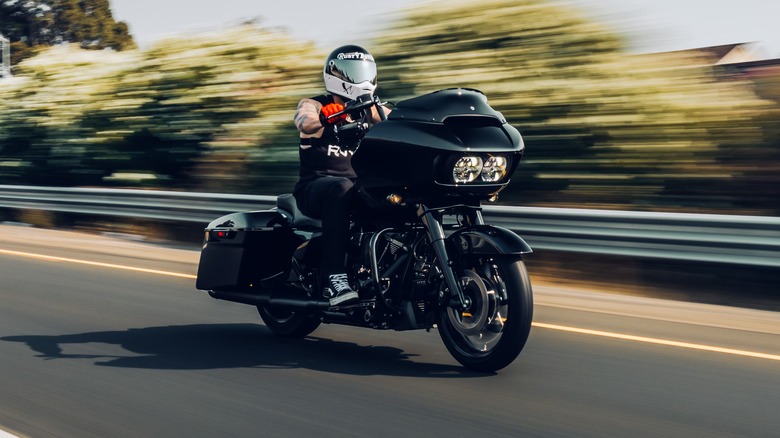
(395, 199)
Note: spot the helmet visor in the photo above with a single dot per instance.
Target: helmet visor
(353, 71)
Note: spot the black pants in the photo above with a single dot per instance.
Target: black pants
(328, 198)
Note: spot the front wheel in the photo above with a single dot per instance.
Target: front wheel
(288, 323)
(490, 334)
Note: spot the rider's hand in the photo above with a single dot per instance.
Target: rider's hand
(330, 109)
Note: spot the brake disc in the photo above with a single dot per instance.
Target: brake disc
(471, 321)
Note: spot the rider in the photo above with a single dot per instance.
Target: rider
(326, 174)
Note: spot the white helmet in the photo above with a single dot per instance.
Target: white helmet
(350, 71)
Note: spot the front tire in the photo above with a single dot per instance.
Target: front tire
(287, 323)
(509, 304)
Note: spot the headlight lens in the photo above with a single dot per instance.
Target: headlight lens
(466, 169)
(494, 169)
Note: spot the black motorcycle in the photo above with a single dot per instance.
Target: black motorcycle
(420, 254)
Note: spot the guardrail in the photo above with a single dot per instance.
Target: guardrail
(742, 240)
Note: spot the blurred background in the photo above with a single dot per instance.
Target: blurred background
(209, 108)
(621, 106)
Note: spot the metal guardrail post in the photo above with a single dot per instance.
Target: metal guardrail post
(5, 57)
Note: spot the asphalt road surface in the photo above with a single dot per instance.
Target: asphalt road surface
(104, 337)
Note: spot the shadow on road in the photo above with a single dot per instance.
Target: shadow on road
(217, 346)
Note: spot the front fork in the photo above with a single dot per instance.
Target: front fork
(437, 237)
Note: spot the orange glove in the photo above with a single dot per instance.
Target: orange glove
(330, 109)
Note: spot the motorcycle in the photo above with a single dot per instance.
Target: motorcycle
(420, 254)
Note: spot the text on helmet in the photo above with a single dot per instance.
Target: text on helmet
(356, 55)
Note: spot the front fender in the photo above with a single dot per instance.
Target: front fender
(488, 240)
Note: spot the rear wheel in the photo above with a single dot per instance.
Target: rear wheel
(491, 332)
(287, 323)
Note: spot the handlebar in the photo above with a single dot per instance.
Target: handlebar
(350, 134)
(361, 104)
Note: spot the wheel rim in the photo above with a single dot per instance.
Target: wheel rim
(483, 337)
(469, 321)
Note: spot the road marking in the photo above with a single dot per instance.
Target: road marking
(99, 264)
(4, 434)
(535, 324)
(659, 341)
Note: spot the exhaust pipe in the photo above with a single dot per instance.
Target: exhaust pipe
(289, 300)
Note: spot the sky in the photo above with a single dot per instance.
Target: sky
(650, 25)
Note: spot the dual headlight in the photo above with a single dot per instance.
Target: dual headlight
(473, 168)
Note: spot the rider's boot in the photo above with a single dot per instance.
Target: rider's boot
(339, 291)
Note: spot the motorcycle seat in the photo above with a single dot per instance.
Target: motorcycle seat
(287, 203)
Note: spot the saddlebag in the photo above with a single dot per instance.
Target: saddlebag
(241, 250)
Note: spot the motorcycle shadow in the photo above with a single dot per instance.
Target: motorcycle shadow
(216, 346)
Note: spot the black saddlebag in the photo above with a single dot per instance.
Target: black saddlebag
(241, 250)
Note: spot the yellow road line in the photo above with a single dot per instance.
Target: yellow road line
(100, 264)
(4, 434)
(658, 341)
(535, 324)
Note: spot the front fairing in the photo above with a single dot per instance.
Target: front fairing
(415, 149)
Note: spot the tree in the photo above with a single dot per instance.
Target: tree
(26, 21)
(603, 128)
(33, 24)
(212, 113)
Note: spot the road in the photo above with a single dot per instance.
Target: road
(107, 337)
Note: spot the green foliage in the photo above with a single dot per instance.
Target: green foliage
(214, 106)
(213, 111)
(48, 99)
(188, 113)
(34, 24)
(602, 128)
